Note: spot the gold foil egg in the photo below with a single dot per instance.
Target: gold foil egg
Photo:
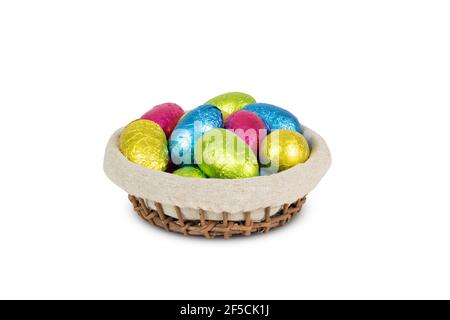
(222, 154)
(144, 142)
(231, 102)
(283, 149)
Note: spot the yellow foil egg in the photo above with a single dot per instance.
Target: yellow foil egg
(144, 142)
(222, 154)
(283, 149)
(231, 102)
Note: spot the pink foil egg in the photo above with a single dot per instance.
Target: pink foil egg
(248, 126)
(166, 115)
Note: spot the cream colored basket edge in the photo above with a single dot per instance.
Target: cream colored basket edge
(216, 196)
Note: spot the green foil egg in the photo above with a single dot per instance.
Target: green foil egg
(231, 102)
(222, 154)
(190, 172)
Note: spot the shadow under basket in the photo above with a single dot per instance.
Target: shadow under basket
(211, 229)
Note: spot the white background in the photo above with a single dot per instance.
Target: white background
(372, 77)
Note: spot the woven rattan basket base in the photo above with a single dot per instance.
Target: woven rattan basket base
(211, 229)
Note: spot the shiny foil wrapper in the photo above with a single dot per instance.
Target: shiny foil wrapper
(191, 127)
(184, 114)
(276, 118)
(231, 102)
(283, 149)
(248, 126)
(222, 154)
(190, 172)
(166, 115)
(144, 143)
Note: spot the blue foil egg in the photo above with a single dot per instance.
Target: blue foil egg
(276, 118)
(191, 127)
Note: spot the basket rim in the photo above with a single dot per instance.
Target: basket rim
(242, 194)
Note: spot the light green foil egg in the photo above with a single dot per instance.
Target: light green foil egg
(222, 154)
(231, 102)
(190, 172)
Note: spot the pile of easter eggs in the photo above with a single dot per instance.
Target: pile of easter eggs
(230, 136)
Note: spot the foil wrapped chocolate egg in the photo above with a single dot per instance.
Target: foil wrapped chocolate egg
(144, 142)
(247, 125)
(231, 102)
(222, 154)
(191, 127)
(190, 172)
(166, 115)
(184, 114)
(283, 149)
(276, 118)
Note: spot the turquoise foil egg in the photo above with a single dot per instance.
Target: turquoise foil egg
(276, 118)
(190, 128)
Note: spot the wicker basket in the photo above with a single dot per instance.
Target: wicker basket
(217, 207)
